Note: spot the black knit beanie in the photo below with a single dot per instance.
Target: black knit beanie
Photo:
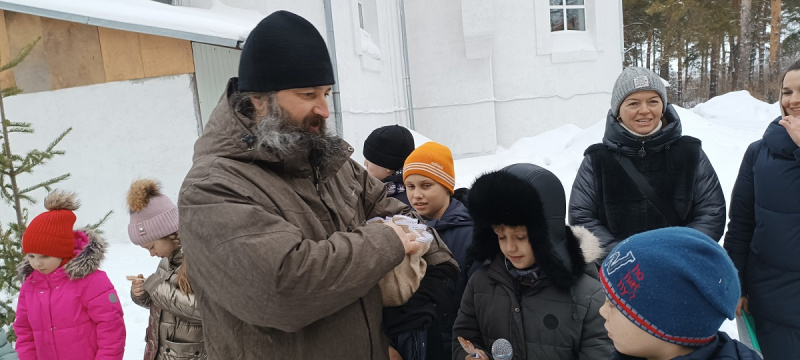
(389, 146)
(284, 51)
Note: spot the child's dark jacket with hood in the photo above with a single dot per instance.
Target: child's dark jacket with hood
(555, 316)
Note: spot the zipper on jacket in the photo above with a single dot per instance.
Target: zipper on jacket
(642, 153)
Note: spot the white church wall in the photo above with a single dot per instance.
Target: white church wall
(452, 93)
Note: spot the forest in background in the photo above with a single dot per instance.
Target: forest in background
(706, 48)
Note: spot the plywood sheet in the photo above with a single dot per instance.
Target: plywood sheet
(33, 74)
(73, 53)
(6, 77)
(165, 56)
(122, 55)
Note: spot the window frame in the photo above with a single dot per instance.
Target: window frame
(564, 7)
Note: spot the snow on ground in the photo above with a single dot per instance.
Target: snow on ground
(726, 124)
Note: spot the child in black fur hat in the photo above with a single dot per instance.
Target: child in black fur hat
(533, 288)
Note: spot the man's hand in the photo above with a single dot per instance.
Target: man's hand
(792, 125)
(744, 303)
(409, 240)
(136, 284)
(394, 355)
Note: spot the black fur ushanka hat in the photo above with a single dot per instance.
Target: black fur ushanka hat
(531, 196)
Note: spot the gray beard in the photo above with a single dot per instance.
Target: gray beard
(276, 131)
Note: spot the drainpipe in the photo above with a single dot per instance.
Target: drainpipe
(621, 34)
(337, 101)
(409, 101)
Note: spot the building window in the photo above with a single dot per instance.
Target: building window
(567, 15)
(361, 15)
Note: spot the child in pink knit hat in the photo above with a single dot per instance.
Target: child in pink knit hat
(174, 330)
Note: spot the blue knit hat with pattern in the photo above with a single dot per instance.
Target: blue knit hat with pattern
(676, 283)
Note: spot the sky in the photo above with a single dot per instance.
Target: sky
(726, 124)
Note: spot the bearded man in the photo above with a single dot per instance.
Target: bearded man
(273, 213)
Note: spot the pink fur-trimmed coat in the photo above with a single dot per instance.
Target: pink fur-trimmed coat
(73, 312)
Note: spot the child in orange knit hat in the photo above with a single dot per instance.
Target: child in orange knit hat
(429, 178)
(67, 308)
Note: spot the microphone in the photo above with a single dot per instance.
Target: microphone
(501, 349)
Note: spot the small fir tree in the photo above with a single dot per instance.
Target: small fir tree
(12, 167)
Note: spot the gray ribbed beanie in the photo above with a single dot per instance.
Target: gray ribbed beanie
(153, 215)
(635, 79)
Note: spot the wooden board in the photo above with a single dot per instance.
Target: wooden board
(122, 55)
(6, 77)
(163, 56)
(73, 52)
(33, 74)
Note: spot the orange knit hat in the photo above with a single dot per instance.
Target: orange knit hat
(50, 233)
(433, 161)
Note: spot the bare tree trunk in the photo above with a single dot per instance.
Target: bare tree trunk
(743, 64)
(704, 61)
(663, 70)
(774, 47)
(649, 47)
(712, 84)
(655, 51)
(763, 38)
(679, 73)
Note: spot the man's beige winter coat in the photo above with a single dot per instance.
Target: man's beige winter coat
(283, 264)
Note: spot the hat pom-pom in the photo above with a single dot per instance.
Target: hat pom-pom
(61, 200)
(141, 192)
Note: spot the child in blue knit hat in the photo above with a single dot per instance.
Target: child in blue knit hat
(667, 293)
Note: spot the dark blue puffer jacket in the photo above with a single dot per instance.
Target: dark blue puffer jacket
(763, 238)
(455, 228)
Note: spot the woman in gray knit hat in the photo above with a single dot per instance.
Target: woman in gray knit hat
(174, 329)
(645, 174)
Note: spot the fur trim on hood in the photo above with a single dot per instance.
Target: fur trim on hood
(531, 196)
(89, 253)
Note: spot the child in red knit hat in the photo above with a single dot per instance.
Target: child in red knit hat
(67, 308)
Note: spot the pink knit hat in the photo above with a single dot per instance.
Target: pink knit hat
(153, 215)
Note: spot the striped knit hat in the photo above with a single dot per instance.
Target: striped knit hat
(433, 161)
(674, 283)
(153, 215)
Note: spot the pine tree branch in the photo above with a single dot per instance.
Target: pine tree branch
(11, 91)
(57, 140)
(100, 223)
(46, 184)
(21, 56)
